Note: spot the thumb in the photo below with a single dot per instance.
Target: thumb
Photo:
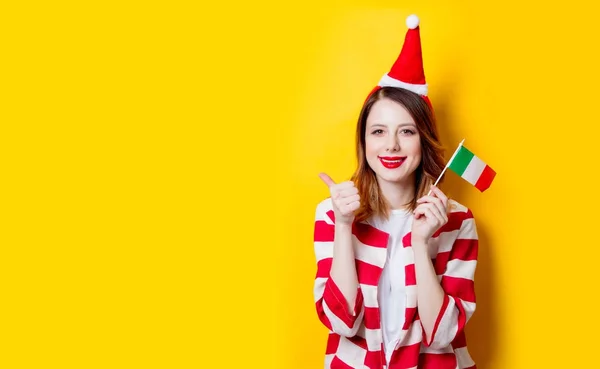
(327, 179)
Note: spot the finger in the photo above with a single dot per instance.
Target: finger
(419, 211)
(432, 212)
(326, 179)
(347, 205)
(427, 198)
(341, 193)
(439, 213)
(441, 208)
(345, 185)
(350, 199)
(440, 195)
(348, 192)
(353, 206)
(431, 215)
(350, 208)
(435, 211)
(433, 200)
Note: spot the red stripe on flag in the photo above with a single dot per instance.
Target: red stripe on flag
(437, 361)
(367, 273)
(371, 318)
(485, 179)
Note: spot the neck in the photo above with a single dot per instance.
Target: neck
(398, 195)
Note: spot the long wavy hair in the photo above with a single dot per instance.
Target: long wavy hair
(432, 159)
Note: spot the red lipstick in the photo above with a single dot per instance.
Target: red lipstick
(392, 162)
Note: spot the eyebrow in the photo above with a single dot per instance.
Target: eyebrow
(401, 125)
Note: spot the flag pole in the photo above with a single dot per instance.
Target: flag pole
(447, 164)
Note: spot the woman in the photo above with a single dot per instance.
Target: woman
(395, 257)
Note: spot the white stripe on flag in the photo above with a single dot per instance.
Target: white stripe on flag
(474, 170)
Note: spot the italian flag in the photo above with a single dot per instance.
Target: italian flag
(471, 168)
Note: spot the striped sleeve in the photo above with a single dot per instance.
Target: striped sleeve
(332, 306)
(458, 283)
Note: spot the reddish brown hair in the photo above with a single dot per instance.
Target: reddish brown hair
(432, 160)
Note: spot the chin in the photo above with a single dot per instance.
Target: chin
(387, 176)
(393, 179)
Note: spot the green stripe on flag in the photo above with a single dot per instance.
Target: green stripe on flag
(461, 160)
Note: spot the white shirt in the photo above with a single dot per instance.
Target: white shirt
(392, 293)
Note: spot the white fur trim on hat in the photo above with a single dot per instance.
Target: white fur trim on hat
(392, 82)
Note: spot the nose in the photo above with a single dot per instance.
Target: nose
(393, 144)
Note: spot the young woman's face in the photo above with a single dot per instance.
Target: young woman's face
(392, 142)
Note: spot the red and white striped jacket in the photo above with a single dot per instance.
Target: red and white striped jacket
(355, 338)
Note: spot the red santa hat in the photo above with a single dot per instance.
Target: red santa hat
(407, 71)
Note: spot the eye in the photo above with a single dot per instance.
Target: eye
(407, 132)
(377, 132)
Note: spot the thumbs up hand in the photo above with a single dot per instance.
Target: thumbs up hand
(345, 199)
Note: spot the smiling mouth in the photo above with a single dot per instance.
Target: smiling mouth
(392, 162)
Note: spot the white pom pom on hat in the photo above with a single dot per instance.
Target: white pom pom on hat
(412, 21)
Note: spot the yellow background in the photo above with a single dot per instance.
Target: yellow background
(159, 167)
